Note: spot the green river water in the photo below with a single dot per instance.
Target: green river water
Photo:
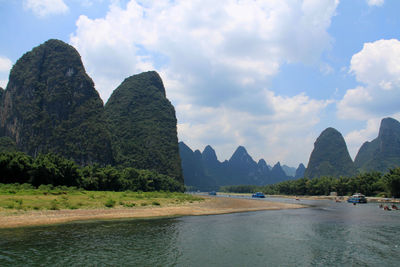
(326, 234)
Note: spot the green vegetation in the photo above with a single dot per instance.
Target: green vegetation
(48, 197)
(51, 169)
(383, 152)
(142, 123)
(50, 105)
(330, 156)
(369, 184)
(7, 144)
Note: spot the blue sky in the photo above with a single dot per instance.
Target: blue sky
(268, 75)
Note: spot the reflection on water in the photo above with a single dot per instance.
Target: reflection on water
(328, 234)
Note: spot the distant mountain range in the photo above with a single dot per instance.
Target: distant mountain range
(330, 156)
(202, 170)
(50, 105)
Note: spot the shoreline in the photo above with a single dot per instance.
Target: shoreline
(322, 197)
(210, 206)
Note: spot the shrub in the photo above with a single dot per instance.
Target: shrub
(110, 203)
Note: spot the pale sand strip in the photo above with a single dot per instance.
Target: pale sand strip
(210, 206)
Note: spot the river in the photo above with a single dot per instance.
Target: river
(325, 234)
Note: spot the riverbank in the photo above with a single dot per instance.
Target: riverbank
(341, 198)
(333, 198)
(210, 206)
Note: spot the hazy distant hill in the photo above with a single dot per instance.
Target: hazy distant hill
(383, 152)
(204, 171)
(301, 169)
(142, 123)
(50, 105)
(289, 171)
(330, 156)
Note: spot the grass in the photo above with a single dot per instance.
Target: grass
(16, 197)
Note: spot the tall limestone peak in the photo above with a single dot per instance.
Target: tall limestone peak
(262, 165)
(241, 155)
(389, 127)
(383, 152)
(300, 171)
(143, 125)
(209, 154)
(330, 156)
(277, 173)
(50, 105)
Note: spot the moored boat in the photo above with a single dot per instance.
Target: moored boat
(258, 195)
(357, 198)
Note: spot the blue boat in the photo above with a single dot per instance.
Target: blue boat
(212, 193)
(357, 198)
(258, 195)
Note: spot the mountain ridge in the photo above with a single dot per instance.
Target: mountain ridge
(382, 153)
(50, 105)
(206, 172)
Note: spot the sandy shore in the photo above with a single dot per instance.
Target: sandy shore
(211, 205)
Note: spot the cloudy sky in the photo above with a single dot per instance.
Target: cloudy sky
(269, 75)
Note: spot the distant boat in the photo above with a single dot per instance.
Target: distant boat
(357, 198)
(212, 193)
(258, 195)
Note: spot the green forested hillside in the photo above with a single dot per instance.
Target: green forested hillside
(142, 123)
(50, 105)
(330, 156)
(382, 153)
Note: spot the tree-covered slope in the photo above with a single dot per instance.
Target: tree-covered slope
(50, 105)
(330, 156)
(382, 153)
(142, 123)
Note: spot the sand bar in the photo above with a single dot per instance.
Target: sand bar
(210, 206)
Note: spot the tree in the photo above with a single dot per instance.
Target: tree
(392, 182)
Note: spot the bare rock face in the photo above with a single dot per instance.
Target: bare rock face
(50, 105)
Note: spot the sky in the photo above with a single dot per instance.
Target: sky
(267, 75)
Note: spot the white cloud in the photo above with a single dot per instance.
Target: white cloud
(216, 49)
(283, 135)
(5, 67)
(43, 8)
(216, 58)
(5, 64)
(356, 138)
(377, 65)
(375, 2)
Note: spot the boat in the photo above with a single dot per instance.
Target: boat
(258, 195)
(212, 193)
(357, 198)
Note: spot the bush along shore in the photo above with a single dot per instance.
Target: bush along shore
(51, 169)
(369, 184)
